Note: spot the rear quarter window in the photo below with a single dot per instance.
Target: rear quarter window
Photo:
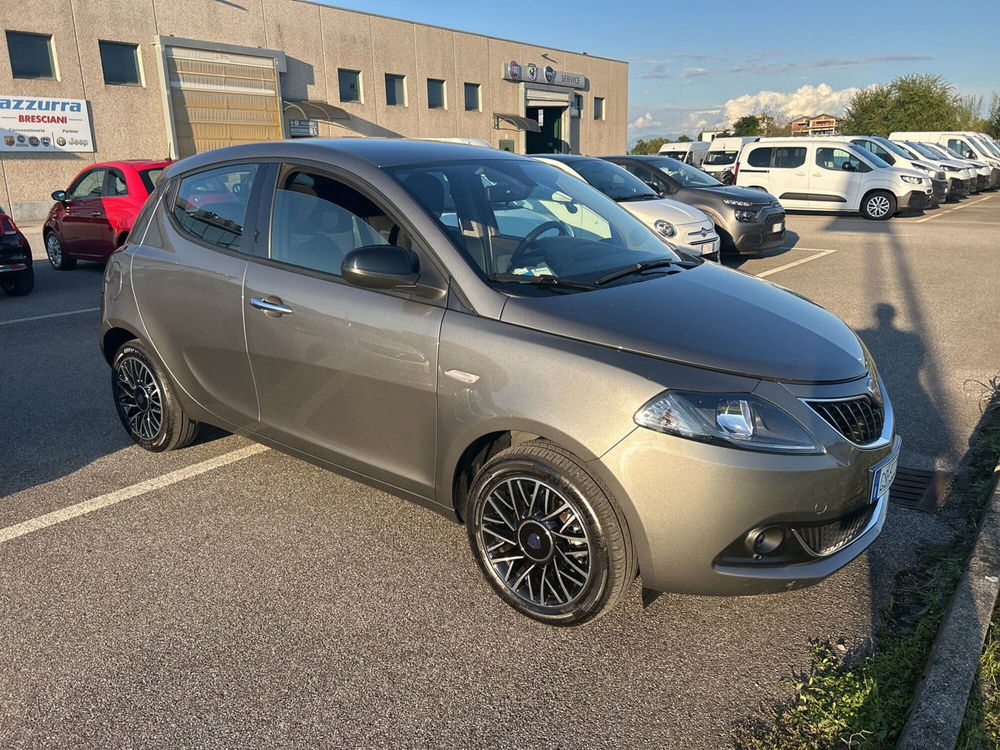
(210, 207)
(789, 157)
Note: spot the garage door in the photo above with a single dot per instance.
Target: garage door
(221, 99)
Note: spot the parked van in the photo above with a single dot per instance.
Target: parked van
(961, 173)
(982, 170)
(893, 155)
(691, 152)
(966, 144)
(819, 174)
(720, 161)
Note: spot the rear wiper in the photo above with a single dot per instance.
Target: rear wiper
(634, 268)
(639, 197)
(546, 280)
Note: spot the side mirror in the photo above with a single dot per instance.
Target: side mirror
(381, 267)
(848, 167)
(59, 195)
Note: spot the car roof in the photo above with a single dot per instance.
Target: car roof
(381, 152)
(135, 163)
(564, 158)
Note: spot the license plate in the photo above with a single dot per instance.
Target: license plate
(777, 226)
(883, 476)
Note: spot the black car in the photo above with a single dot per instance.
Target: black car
(17, 277)
(748, 221)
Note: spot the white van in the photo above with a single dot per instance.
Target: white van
(720, 161)
(894, 156)
(965, 143)
(961, 174)
(690, 152)
(818, 174)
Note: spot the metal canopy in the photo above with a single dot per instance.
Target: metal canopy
(316, 110)
(519, 123)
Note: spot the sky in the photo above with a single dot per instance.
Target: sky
(697, 66)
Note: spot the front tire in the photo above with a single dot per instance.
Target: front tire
(57, 254)
(19, 283)
(547, 536)
(878, 205)
(146, 403)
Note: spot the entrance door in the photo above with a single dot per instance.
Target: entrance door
(550, 139)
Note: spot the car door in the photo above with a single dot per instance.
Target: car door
(83, 214)
(755, 170)
(344, 374)
(835, 179)
(188, 278)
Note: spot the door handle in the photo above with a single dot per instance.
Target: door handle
(271, 306)
(95, 213)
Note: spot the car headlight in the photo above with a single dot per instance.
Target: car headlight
(912, 180)
(949, 168)
(735, 420)
(734, 202)
(922, 168)
(665, 228)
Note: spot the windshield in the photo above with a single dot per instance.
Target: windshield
(530, 219)
(615, 182)
(875, 160)
(889, 145)
(984, 146)
(716, 158)
(683, 174)
(928, 151)
(949, 152)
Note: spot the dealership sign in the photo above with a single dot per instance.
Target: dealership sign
(531, 73)
(34, 124)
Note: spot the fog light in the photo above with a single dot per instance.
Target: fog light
(763, 541)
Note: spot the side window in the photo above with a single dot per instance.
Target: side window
(839, 159)
(117, 187)
(650, 178)
(957, 144)
(88, 185)
(760, 157)
(211, 206)
(789, 157)
(316, 221)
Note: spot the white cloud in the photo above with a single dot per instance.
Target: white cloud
(805, 100)
(644, 121)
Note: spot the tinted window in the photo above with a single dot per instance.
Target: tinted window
(610, 179)
(435, 93)
(682, 173)
(30, 55)
(350, 85)
(211, 206)
(719, 158)
(598, 108)
(472, 97)
(317, 221)
(395, 90)
(961, 147)
(789, 157)
(88, 185)
(875, 148)
(120, 63)
(116, 183)
(150, 177)
(760, 157)
(838, 159)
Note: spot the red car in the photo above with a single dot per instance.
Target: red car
(91, 218)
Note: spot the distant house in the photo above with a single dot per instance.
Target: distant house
(823, 124)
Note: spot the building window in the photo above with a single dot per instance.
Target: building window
(350, 85)
(577, 109)
(395, 90)
(30, 55)
(598, 108)
(435, 94)
(473, 103)
(120, 63)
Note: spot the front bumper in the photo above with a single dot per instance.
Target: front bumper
(960, 188)
(697, 239)
(939, 191)
(760, 235)
(982, 182)
(916, 200)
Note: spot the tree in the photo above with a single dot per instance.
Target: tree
(747, 125)
(648, 147)
(993, 117)
(969, 111)
(684, 139)
(868, 112)
(910, 102)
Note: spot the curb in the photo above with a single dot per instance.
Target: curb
(939, 702)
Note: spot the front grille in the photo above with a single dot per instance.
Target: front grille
(858, 419)
(827, 538)
(769, 221)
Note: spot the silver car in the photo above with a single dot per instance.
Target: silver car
(498, 341)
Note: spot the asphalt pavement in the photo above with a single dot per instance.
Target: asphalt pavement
(264, 602)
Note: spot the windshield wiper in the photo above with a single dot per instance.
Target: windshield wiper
(546, 280)
(634, 268)
(638, 197)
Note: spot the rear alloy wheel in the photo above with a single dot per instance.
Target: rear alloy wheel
(57, 256)
(878, 205)
(549, 539)
(145, 400)
(19, 283)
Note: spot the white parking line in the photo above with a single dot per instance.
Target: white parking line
(127, 493)
(799, 262)
(950, 210)
(50, 315)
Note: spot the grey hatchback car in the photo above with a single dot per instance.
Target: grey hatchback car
(496, 340)
(749, 221)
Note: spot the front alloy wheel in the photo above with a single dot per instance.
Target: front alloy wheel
(57, 256)
(548, 538)
(879, 205)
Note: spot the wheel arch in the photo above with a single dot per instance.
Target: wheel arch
(112, 340)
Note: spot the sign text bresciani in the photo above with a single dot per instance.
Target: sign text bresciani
(33, 124)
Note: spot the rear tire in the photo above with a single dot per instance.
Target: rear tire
(549, 539)
(57, 253)
(18, 284)
(145, 400)
(878, 205)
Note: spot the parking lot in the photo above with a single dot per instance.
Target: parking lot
(227, 594)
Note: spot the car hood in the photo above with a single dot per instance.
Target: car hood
(757, 197)
(664, 208)
(708, 316)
